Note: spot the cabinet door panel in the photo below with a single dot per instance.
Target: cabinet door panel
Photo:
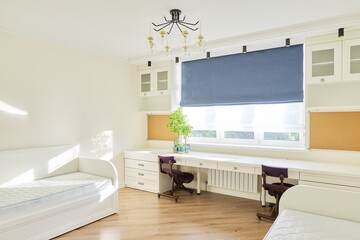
(351, 60)
(323, 63)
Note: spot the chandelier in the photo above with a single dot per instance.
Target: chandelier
(164, 29)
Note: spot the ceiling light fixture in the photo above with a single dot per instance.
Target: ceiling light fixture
(164, 29)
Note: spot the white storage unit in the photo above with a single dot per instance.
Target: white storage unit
(154, 81)
(331, 59)
(142, 172)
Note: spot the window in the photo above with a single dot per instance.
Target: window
(280, 125)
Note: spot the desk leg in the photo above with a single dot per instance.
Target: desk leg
(198, 181)
(262, 195)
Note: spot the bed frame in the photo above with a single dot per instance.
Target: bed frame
(18, 166)
(329, 202)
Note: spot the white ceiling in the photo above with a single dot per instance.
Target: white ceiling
(119, 28)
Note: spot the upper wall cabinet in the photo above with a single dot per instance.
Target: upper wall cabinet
(330, 59)
(154, 81)
(351, 60)
(323, 62)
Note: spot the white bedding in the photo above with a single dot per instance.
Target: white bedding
(28, 197)
(297, 225)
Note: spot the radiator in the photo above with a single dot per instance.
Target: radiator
(244, 182)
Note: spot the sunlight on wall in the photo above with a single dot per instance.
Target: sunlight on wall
(11, 109)
(102, 145)
(63, 159)
(24, 177)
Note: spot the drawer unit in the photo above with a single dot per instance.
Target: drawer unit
(142, 172)
(236, 167)
(201, 163)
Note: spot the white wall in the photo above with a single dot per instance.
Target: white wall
(70, 97)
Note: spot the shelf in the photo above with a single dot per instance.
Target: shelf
(322, 63)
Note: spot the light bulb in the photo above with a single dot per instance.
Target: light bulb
(201, 43)
(167, 50)
(186, 50)
(163, 36)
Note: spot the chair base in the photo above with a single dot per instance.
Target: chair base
(170, 193)
(272, 216)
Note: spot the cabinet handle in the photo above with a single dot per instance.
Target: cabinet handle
(140, 165)
(200, 164)
(140, 174)
(235, 168)
(140, 183)
(322, 80)
(144, 94)
(161, 92)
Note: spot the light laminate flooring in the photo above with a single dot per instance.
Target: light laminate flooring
(197, 217)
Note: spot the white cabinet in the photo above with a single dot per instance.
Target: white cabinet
(330, 59)
(154, 81)
(323, 63)
(351, 60)
(142, 172)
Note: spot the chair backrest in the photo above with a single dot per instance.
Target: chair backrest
(274, 171)
(168, 160)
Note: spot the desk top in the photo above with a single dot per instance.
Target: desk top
(293, 165)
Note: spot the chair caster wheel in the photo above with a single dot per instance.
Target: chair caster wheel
(259, 218)
(176, 200)
(158, 195)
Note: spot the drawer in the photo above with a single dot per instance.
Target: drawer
(236, 167)
(142, 174)
(141, 156)
(291, 174)
(330, 179)
(201, 163)
(144, 165)
(142, 184)
(180, 161)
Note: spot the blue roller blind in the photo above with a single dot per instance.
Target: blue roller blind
(260, 77)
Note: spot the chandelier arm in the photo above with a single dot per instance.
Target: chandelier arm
(188, 27)
(192, 24)
(179, 27)
(170, 28)
(162, 27)
(161, 24)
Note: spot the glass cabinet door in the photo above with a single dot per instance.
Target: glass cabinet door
(162, 81)
(351, 57)
(145, 83)
(323, 63)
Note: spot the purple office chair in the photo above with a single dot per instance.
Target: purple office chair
(275, 189)
(178, 178)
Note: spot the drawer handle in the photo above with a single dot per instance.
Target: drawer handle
(140, 165)
(140, 174)
(140, 183)
(235, 168)
(200, 164)
(322, 80)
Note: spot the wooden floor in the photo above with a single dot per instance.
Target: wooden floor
(207, 216)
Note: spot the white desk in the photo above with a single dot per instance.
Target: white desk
(307, 172)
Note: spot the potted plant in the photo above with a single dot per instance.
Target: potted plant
(179, 125)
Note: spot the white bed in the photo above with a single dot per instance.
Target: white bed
(308, 212)
(52, 187)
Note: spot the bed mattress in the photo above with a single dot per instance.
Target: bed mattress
(25, 198)
(297, 225)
